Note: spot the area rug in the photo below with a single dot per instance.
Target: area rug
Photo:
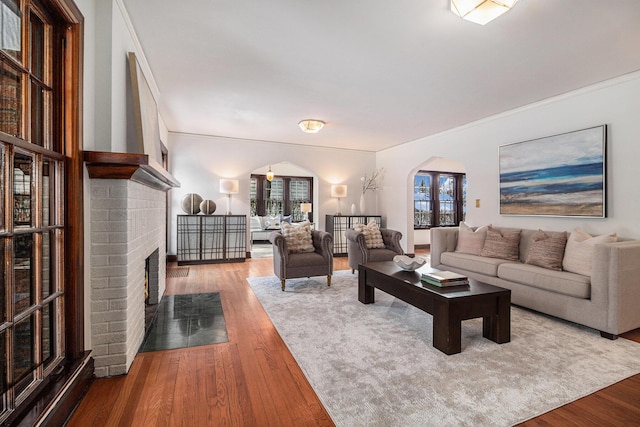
(374, 365)
(186, 321)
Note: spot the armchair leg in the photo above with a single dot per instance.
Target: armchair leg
(329, 280)
(282, 284)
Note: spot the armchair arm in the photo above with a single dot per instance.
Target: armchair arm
(323, 243)
(356, 237)
(280, 253)
(443, 239)
(391, 239)
(356, 248)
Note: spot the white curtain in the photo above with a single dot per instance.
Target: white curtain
(9, 28)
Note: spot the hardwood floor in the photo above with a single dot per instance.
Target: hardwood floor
(253, 380)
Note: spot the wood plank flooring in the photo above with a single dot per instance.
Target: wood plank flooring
(253, 380)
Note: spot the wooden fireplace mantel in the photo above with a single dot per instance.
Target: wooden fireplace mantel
(136, 167)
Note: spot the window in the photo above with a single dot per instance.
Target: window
(439, 199)
(33, 239)
(281, 196)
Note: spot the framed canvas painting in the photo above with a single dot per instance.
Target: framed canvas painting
(560, 175)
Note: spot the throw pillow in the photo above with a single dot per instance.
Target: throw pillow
(285, 219)
(298, 237)
(547, 250)
(578, 255)
(469, 241)
(372, 234)
(502, 244)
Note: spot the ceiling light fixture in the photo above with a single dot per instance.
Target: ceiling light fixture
(270, 174)
(481, 11)
(311, 125)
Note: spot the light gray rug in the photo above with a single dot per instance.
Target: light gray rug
(374, 365)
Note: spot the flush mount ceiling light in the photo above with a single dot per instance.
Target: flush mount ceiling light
(481, 11)
(311, 125)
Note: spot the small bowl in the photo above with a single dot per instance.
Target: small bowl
(407, 263)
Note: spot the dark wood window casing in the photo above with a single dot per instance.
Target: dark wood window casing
(41, 216)
(439, 199)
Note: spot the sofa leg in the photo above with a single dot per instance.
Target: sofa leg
(282, 284)
(608, 335)
(328, 280)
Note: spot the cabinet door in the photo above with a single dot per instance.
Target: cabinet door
(340, 225)
(236, 237)
(212, 237)
(188, 238)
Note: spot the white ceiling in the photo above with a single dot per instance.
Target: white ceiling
(378, 72)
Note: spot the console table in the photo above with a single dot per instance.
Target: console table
(211, 238)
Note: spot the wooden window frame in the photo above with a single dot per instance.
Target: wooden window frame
(66, 127)
(286, 202)
(434, 194)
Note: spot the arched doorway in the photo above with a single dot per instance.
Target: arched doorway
(287, 195)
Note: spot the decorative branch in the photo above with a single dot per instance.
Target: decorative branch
(370, 182)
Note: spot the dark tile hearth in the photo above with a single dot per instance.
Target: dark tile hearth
(187, 321)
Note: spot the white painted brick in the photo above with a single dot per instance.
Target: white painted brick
(108, 271)
(115, 370)
(99, 307)
(110, 338)
(111, 316)
(128, 222)
(117, 326)
(110, 293)
(118, 304)
(100, 372)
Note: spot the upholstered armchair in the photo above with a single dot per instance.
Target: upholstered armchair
(291, 265)
(359, 253)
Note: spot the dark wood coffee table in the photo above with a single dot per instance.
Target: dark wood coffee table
(449, 307)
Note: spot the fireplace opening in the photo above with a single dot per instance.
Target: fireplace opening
(151, 288)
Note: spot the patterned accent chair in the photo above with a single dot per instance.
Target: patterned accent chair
(288, 265)
(358, 252)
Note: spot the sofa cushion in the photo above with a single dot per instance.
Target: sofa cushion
(503, 244)
(561, 282)
(372, 234)
(298, 237)
(470, 241)
(256, 223)
(475, 263)
(578, 255)
(547, 250)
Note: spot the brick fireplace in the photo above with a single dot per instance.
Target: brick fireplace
(128, 226)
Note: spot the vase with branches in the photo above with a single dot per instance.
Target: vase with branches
(369, 182)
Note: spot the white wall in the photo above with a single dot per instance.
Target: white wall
(615, 102)
(199, 162)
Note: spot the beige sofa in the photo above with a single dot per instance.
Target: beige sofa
(608, 300)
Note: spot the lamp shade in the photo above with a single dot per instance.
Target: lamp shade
(305, 207)
(311, 125)
(481, 11)
(229, 186)
(339, 190)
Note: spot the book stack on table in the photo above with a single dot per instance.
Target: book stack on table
(445, 279)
